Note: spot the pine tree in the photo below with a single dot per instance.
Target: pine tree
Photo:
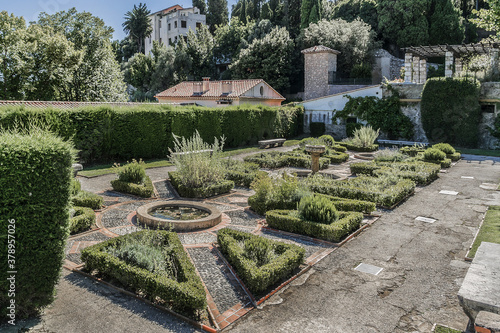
(217, 14)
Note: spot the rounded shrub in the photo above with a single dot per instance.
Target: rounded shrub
(433, 154)
(318, 209)
(445, 148)
(133, 172)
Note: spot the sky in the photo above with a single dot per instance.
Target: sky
(112, 12)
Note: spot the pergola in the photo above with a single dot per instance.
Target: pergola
(416, 58)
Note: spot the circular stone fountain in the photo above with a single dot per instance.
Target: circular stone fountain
(180, 215)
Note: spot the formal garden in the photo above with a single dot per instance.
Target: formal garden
(274, 217)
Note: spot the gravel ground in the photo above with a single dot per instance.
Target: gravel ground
(243, 218)
(311, 247)
(217, 278)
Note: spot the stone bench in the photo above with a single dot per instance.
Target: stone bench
(401, 143)
(271, 143)
(194, 152)
(480, 290)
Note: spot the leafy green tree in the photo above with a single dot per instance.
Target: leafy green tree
(124, 49)
(230, 39)
(268, 58)
(201, 5)
(138, 25)
(13, 50)
(98, 78)
(489, 19)
(310, 12)
(445, 23)
(355, 40)
(52, 63)
(350, 10)
(217, 14)
(199, 48)
(292, 15)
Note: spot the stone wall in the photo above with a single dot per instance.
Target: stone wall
(386, 65)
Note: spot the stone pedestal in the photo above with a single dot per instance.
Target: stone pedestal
(316, 151)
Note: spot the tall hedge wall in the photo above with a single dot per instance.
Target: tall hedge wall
(106, 133)
(451, 111)
(35, 174)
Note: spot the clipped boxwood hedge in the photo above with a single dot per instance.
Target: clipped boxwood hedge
(245, 259)
(290, 220)
(202, 192)
(274, 160)
(145, 190)
(420, 172)
(35, 191)
(108, 133)
(187, 293)
(384, 191)
(360, 149)
(87, 199)
(337, 158)
(82, 220)
(317, 129)
(350, 205)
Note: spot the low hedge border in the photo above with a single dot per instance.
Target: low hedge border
(420, 172)
(411, 151)
(87, 199)
(276, 160)
(350, 205)
(257, 278)
(446, 163)
(188, 294)
(241, 178)
(337, 158)
(360, 188)
(82, 220)
(352, 147)
(201, 192)
(289, 220)
(454, 157)
(144, 190)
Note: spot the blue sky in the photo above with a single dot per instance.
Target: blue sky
(112, 12)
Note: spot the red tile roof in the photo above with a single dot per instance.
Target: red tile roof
(239, 87)
(320, 49)
(65, 105)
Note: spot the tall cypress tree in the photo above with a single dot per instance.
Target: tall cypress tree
(217, 14)
(201, 5)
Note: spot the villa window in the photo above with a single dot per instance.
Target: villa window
(175, 24)
(183, 24)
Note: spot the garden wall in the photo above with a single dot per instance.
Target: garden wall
(108, 133)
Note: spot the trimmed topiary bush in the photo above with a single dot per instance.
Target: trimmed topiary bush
(350, 205)
(258, 261)
(432, 154)
(83, 218)
(291, 221)
(35, 192)
(445, 148)
(179, 286)
(133, 172)
(317, 129)
(451, 111)
(317, 209)
(241, 173)
(132, 179)
(87, 199)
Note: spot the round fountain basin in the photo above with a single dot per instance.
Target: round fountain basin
(178, 215)
(320, 149)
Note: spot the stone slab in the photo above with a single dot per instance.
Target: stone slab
(480, 290)
(448, 192)
(425, 219)
(467, 177)
(370, 269)
(488, 320)
(488, 186)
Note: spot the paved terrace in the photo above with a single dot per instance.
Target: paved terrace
(422, 264)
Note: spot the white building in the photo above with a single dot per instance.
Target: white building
(171, 23)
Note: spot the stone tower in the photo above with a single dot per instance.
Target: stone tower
(320, 65)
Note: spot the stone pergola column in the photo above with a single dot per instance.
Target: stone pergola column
(416, 70)
(423, 71)
(494, 61)
(408, 66)
(448, 64)
(458, 66)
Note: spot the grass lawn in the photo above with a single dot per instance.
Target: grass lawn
(483, 152)
(442, 329)
(490, 230)
(104, 169)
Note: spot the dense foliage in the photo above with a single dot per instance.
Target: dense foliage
(107, 133)
(258, 261)
(451, 119)
(132, 179)
(137, 25)
(36, 175)
(183, 291)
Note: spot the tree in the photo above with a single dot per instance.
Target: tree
(489, 19)
(445, 23)
(198, 51)
(268, 58)
(310, 12)
(292, 14)
(404, 22)
(355, 40)
(13, 50)
(230, 39)
(201, 5)
(138, 25)
(98, 77)
(217, 14)
(350, 10)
